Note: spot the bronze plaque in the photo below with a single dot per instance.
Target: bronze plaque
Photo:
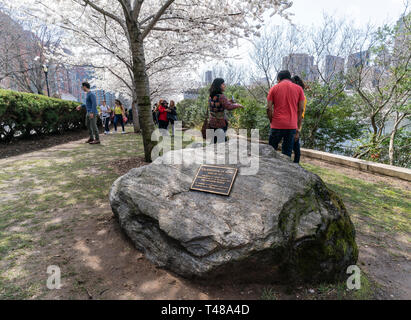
(214, 179)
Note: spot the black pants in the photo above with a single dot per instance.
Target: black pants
(106, 121)
(163, 124)
(217, 133)
(287, 135)
(297, 151)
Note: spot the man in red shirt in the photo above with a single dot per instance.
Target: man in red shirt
(285, 105)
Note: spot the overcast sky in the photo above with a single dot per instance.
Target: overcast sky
(361, 11)
(310, 12)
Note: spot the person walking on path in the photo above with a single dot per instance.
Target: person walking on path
(130, 116)
(297, 147)
(154, 111)
(217, 104)
(91, 116)
(105, 116)
(172, 115)
(285, 105)
(119, 113)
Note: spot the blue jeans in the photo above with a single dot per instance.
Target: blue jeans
(297, 151)
(118, 118)
(287, 135)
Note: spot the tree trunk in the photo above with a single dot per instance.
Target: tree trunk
(142, 90)
(374, 128)
(392, 150)
(136, 120)
(394, 131)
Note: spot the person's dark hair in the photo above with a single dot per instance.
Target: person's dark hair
(118, 102)
(284, 75)
(297, 80)
(86, 84)
(216, 87)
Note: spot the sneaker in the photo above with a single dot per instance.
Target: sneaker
(95, 142)
(123, 132)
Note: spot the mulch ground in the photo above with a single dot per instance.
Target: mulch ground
(35, 143)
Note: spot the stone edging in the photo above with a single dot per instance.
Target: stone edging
(384, 169)
(362, 165)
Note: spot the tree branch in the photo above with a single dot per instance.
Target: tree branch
(106, 13)
(156, 18)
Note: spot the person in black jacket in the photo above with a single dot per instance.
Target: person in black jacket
(130, 116)
(172, 115)
(155, 114)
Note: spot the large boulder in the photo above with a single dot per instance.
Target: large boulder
(281, 223)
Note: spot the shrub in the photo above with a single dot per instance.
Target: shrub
(24, 114)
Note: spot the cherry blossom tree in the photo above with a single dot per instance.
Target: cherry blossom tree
(136, 32)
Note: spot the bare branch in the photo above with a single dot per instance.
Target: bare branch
(155, 19)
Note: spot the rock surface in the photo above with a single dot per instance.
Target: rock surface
(282, 223)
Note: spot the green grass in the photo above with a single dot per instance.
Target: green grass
(268, 294)
(43, 185)
(383, 206)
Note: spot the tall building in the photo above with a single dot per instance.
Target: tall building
(16, 53)
(20, 50)
(110, 99)
(100, 96)
(208, 77)
(334, 67)
(402, 38)
(191, 94)
(301, 64)
(359, 59)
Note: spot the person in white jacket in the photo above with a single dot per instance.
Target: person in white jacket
(105, 116)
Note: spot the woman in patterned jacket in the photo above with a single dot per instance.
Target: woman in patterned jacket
(217, 104)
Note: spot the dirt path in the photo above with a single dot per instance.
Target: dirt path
(36, 143)
(97, 261)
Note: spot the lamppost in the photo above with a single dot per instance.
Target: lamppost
(46, 71)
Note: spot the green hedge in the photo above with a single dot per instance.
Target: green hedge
(24, 114)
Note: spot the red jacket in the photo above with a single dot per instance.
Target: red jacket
(163, 113)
